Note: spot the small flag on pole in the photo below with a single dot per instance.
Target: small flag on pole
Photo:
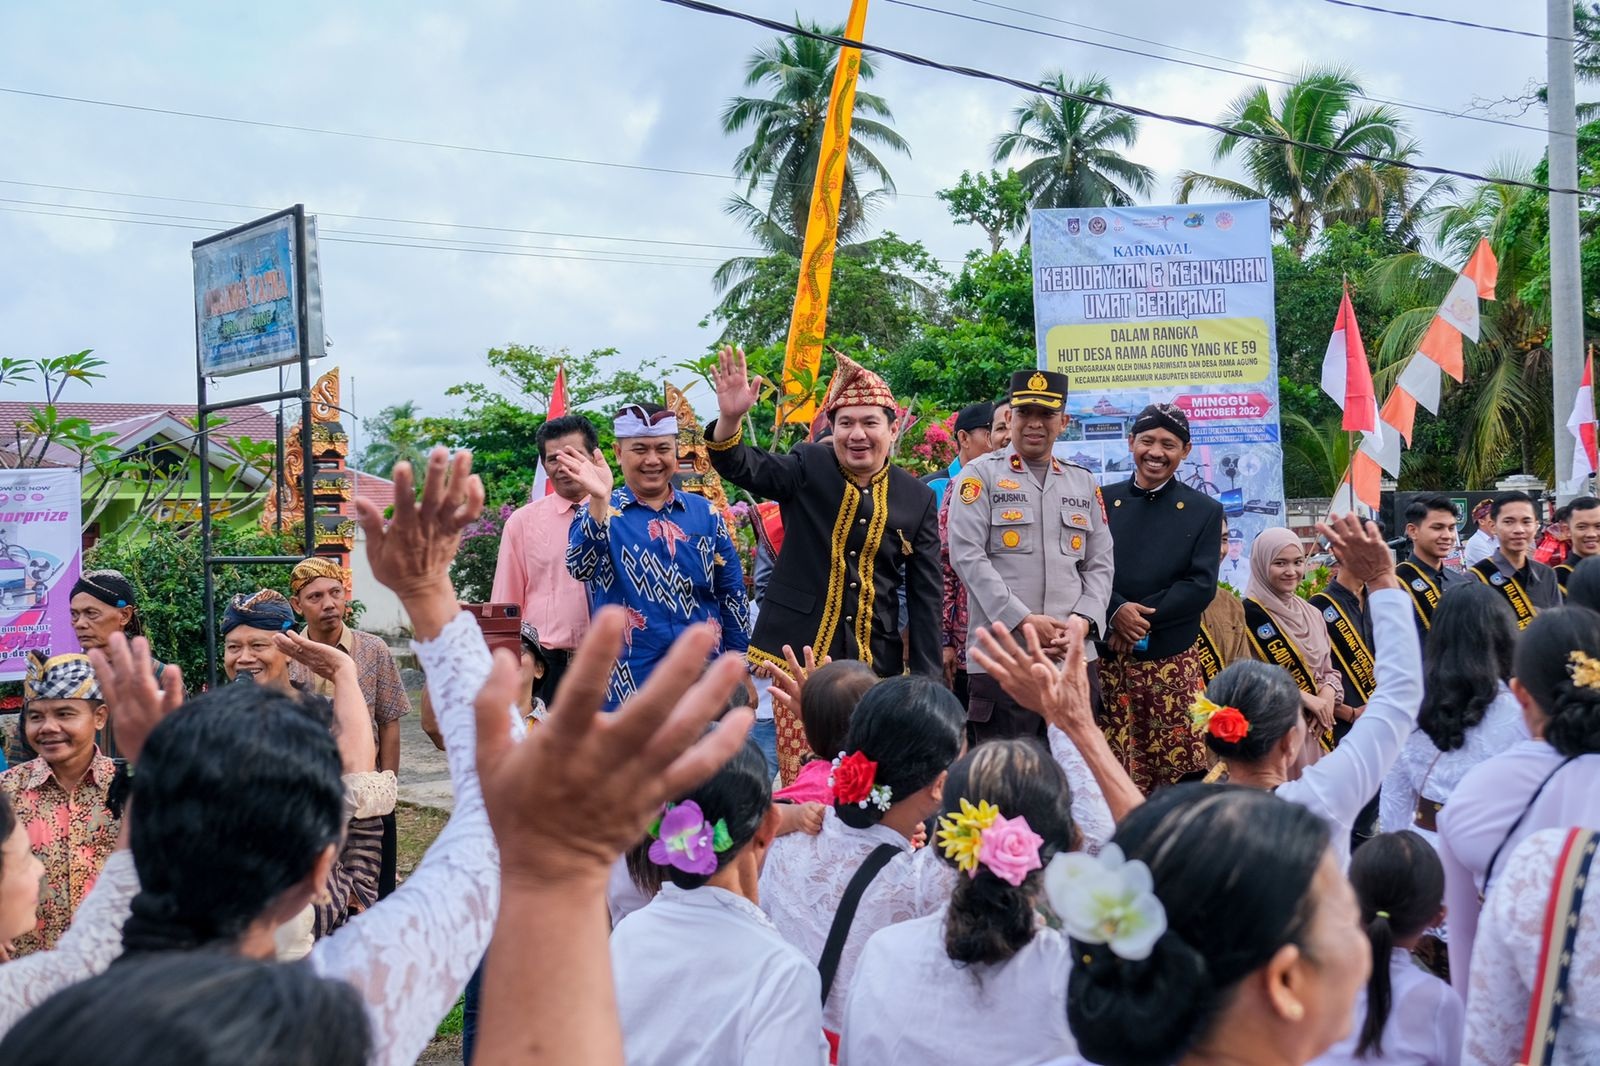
(1581, 424)
(556, 409)
(1345, 374)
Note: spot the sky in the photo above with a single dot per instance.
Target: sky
(635, 83)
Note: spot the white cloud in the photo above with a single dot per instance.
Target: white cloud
(636, 82)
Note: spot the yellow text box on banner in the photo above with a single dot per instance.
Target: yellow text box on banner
(1160, 355)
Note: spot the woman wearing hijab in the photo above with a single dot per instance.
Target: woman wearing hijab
(103, 602)
(1288, 632)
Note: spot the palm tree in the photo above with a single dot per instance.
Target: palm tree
(394, 434)
(1508, 370)
(786, 132)
(1074, 145)
(1306, 187)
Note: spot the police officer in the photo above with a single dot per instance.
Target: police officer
(1029, 540)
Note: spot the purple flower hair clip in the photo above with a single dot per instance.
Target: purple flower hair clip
(685, 841)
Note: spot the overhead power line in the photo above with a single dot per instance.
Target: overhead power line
(389, 139)
(378, 218)
(1115, 105)
(1465, 24)
(381, 244)
(1287, 79)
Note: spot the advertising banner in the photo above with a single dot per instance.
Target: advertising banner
(40, 558)
(1146, 305)
(257, 295)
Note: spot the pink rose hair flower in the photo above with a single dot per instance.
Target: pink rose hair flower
(1010, 849)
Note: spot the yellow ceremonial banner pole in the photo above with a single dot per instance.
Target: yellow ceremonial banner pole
(809, 323)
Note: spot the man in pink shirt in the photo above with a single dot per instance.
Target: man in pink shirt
(532, 569)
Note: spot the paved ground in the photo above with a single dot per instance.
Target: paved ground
(424, 778)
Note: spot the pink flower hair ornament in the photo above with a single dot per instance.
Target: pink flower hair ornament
(685, 841)
(980, 835)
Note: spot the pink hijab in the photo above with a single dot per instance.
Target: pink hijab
(1300, 622)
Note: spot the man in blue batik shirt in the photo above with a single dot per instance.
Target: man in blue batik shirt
(663, 555)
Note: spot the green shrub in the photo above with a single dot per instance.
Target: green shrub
(167, 573)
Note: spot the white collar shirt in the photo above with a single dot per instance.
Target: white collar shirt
(702, 976)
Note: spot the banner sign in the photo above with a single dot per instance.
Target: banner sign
(1144, 305)
(41, 538)
(258, 295)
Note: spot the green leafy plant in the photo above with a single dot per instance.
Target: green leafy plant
(166, 571)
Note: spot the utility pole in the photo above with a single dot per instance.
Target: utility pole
(1566, 296)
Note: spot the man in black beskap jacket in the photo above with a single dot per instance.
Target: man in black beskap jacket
(854, 527)
(1165, 538)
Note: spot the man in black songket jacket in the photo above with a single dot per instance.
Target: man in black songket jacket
(855, 527)
(1165, 536)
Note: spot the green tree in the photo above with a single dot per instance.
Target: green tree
(395, 434)
(884, 294)
(1076, 147)
(990, 336)
(994, 202)
(1307, 188)
(1504, 405)
(166, 571)
(786, 130)
(499, 422)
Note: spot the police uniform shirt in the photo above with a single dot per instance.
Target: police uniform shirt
(1023, 548)
(1166, 548)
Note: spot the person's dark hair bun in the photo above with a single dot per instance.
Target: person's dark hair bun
(913, 728)
(1544, 665)
(1267, 698)
(739, 794)
(1233, 869)
(1140, 1008)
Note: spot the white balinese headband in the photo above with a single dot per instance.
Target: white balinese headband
(633, 421)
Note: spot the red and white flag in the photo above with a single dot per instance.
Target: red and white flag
(1346, 376)
(557, 409)
(1581, 424)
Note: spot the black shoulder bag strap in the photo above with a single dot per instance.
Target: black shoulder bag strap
(1488, 873)
(845, 916)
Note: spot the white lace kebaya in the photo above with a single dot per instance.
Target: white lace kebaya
(411, 955)
(805, 876)
(88, 946)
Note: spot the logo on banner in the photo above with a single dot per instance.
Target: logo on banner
(1074, 225)
(1224, 220)
(1195, 220)
(1097, 225)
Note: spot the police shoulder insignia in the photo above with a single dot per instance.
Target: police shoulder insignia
(971, 489)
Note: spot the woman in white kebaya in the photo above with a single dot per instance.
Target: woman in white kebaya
(987, 956)
(701, 973)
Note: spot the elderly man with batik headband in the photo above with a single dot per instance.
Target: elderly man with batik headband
(103, 602)
(1167, 537)
(663, 554)
(319, 595)
(855, 528)
(60, 796)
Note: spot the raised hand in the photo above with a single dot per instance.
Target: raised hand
(324, 660)
(1361, 550)
(737, 391)
(591, 471)
(137, 701)
(411, 553)
(580, 790)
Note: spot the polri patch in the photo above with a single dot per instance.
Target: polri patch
(971, 489)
